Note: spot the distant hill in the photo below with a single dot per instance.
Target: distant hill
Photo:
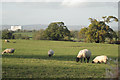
(27, 27)
(74, 27)
(34, 27)
(43, 26)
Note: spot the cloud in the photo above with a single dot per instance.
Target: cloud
(31, 0)
(72, 2)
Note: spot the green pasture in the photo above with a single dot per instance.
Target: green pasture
(30, 34)
(31, 60)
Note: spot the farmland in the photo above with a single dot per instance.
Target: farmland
(31, 60)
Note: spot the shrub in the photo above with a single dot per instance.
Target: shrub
(39, 35)
(112, 72)
(7, 34)
(19, 36)
(25, 37)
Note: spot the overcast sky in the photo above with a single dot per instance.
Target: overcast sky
(71, 12)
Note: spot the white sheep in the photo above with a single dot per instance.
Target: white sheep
(85, 53)
(11, 50)
(100, 59)
(50, 53)
(6, 40)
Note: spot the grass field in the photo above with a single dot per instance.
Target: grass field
(30, 34)
(31, 60)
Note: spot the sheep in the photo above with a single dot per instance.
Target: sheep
(85, 53)
(50, 53)
(6, 40)
(11, 50)
(100, 59)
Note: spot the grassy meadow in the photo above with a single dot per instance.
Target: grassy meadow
(30, 34)
(31, 60)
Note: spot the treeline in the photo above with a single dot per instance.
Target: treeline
(55, 31)
(6, 34)
(98, 31)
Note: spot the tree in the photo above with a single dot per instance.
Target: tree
(74, 34)
(109, 19)
(57, 31)
(39, 35)
(82, 33)
(98, 31)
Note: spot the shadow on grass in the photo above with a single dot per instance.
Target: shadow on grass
(46, 57)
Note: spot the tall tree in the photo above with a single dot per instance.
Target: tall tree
(98, 31)
(57, 31)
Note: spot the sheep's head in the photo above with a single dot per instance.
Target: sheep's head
(3, 52)
(49, 55)
(93, 62)
(77, 59)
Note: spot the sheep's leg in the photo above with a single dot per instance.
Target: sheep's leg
(105, 61)
(81, 60)
(98, 62)
(88, 59)
(84, 59)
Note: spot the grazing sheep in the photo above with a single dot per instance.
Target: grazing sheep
(50, 53)
(11, 50)
(85, 53)
(100, 59)
(6, 40)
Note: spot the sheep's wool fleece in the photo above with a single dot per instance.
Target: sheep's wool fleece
(100, 59)
(51, 52)
(8, 51)
(84, 53)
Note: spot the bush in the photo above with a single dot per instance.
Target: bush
(39, 35)
(19, 36)
(114, 42)
(25, 37)
(67, 38)
(7, 34)
(112, 72)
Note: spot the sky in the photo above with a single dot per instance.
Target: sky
(71, 12)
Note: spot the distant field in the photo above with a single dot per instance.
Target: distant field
(31, 60)
(30, 34)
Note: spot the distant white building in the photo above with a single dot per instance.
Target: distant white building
(15, 28)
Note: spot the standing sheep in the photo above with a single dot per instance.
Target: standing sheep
(11, 50)
(100, 59)
(50, 53)
(85, 53)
